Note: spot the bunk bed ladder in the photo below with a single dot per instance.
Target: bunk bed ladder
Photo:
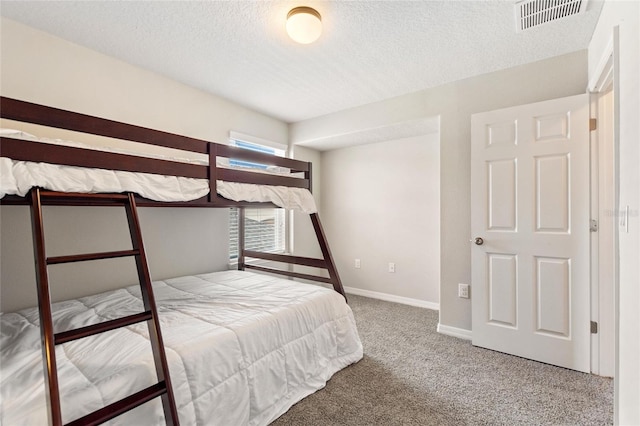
(50, 338)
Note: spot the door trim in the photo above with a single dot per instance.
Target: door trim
(604, 178)
(608, 70)
(603, 241)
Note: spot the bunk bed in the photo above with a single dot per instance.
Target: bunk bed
(229, 347)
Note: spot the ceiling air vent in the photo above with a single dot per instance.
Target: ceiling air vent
(533, 13)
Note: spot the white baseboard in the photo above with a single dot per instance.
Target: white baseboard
(460, 333)
(392, 298)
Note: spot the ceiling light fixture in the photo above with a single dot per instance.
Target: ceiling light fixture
(304, 24)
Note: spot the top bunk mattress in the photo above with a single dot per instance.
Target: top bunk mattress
(242, 348)
(18, 177)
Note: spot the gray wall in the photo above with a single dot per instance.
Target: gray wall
(40, 68)
(455, 103)
(177, 242)
(380, 205)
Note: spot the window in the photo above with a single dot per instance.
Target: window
(264, 228)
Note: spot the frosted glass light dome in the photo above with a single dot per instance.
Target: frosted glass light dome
(304, 24)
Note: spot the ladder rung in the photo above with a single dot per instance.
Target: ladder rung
(91, 256)
(99, 196)
(119, 407)
(289, 273)
(90, 330)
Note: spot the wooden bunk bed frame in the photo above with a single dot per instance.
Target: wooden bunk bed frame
(24, 150)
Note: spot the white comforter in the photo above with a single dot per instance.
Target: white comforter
(242, 348)
(18, 177)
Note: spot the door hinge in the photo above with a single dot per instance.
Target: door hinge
(594, 327)
(594, 225)
(593, 124)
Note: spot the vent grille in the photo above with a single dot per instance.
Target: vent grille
(532, 13)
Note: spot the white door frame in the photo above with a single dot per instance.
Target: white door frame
(604, 281)
(603, 205)
(605, 76)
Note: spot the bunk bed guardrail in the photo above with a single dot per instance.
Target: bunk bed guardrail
(32, 151)
(21, 150)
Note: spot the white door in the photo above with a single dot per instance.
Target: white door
(530, 206)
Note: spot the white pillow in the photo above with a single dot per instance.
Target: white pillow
(16, 134)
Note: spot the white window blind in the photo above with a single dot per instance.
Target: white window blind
(264, 227)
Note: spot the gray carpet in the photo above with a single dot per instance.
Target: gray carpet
(411, 375)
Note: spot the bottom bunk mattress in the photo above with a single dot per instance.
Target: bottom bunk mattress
(242, 348)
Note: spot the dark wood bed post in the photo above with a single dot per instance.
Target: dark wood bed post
(212, 150)
(153, 324)
(308, 176)
(51, 389)
(241, 216)
(326, 253)
(324, 245)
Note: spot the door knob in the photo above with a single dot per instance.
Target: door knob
(478, 241)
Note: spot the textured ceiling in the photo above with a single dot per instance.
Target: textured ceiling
(369, 50)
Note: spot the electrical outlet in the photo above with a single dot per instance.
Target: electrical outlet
(392, 267)
(463, 291)
(357, 263)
